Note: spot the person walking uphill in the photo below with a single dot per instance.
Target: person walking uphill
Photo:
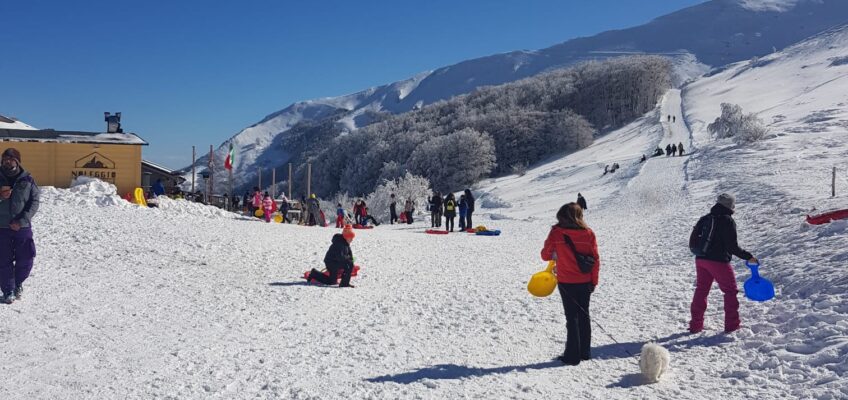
(339, 257)
(574, 247)
(19, 200)
(581, 201)
(713, 252)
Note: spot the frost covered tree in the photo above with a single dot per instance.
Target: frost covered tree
(733, 123)
(408, 186)
(448, 166)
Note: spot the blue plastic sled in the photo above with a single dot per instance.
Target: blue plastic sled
(488, 233)
(756, 287)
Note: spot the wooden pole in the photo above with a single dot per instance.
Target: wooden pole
(260, 179)
(211, 172)
(290, 182)
(274, 183)
(308, 180)
(193, 173)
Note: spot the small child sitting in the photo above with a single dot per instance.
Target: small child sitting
(339, 258)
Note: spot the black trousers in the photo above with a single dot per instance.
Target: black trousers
(435, 219)
(449, 223)
(393, 215)
(333, 271)
(408, 217)
(575, 301)
(468, 220)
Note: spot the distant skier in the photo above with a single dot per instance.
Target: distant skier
(339, 257)
(673, 149)
(713, 264)
(680, 148)
(606, 169)
(669, 118)
(674, 118)
(642, 159)
(667, 150)
(581, 201)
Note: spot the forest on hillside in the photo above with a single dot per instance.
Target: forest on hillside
(491, 131)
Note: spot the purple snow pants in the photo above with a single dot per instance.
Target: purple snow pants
(17, 250)
(722, 273)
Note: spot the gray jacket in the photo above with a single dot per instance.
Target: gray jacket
(24, 202)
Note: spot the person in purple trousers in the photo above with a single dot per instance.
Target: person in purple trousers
(19, 199)
(714, 265)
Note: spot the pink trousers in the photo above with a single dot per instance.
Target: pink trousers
(707, 272)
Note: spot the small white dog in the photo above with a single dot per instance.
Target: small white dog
(654, 361)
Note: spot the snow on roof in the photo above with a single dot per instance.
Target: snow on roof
(12, 123)
(50, 135)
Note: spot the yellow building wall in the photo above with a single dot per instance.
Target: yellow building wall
(57, 164)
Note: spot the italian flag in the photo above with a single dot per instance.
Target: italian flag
(231, 156)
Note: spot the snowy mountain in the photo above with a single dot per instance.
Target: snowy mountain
(12, 123)
(217, 308)
(716, 32)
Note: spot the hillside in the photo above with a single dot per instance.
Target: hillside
(716, 32)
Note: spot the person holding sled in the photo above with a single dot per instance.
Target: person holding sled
(713, 241)
(450, 211)
(339, 257)
(574, 247)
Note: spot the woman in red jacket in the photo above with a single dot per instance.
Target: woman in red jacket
(575, 287)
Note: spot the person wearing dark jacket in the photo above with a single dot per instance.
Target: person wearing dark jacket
(667, 150)
(393, 215)
(715, 266)
(463, 212)
(338, 258)
(575, 286)
(581, 201)
(19, 201)
(450, 211)
(436, 210)
(469, 200)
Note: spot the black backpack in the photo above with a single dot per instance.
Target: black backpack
(702, 235)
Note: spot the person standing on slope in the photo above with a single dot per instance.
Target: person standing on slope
(267, 207)
(714, 264)
(581, 201)
(463, 212)
(680, 148)
(436, 210)
(450, 211)
(667, 150)
(408, 209)
(571, 234)
(469, 199)
(19, 201)
(393, 215)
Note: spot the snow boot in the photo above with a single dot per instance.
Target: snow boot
(7, 298)
(19, 291)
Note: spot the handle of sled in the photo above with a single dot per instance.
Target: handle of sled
(551, 266)
(755, 269)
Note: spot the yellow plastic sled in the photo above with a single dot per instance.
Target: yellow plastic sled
(139, 197)
(543, 283)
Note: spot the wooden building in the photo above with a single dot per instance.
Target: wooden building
(55, 158)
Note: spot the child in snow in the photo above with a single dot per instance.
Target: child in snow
(339, 257)
(571, 234)
(340, 216)
(267, 207)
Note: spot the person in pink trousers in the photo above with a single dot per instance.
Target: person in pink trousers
(267, 207)
(713, 263)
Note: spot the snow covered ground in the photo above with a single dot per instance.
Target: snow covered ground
(187, 301)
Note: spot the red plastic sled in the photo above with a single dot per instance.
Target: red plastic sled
(326, 273)
(827, 217)
(471, 230)
(436, 232)
(358, 226)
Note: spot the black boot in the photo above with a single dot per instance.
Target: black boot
(19, 291)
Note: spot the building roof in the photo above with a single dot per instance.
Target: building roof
(12, 123)
(162, 170)
(50, 135)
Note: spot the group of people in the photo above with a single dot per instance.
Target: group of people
(449, 207)
(574, 247)
(674, 149)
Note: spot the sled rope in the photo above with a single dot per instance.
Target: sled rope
(602, 328)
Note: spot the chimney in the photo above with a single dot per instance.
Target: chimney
(113, 122)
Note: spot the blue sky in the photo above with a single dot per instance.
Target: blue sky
(196, 72)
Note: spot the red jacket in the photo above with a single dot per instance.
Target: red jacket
(567, 270)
